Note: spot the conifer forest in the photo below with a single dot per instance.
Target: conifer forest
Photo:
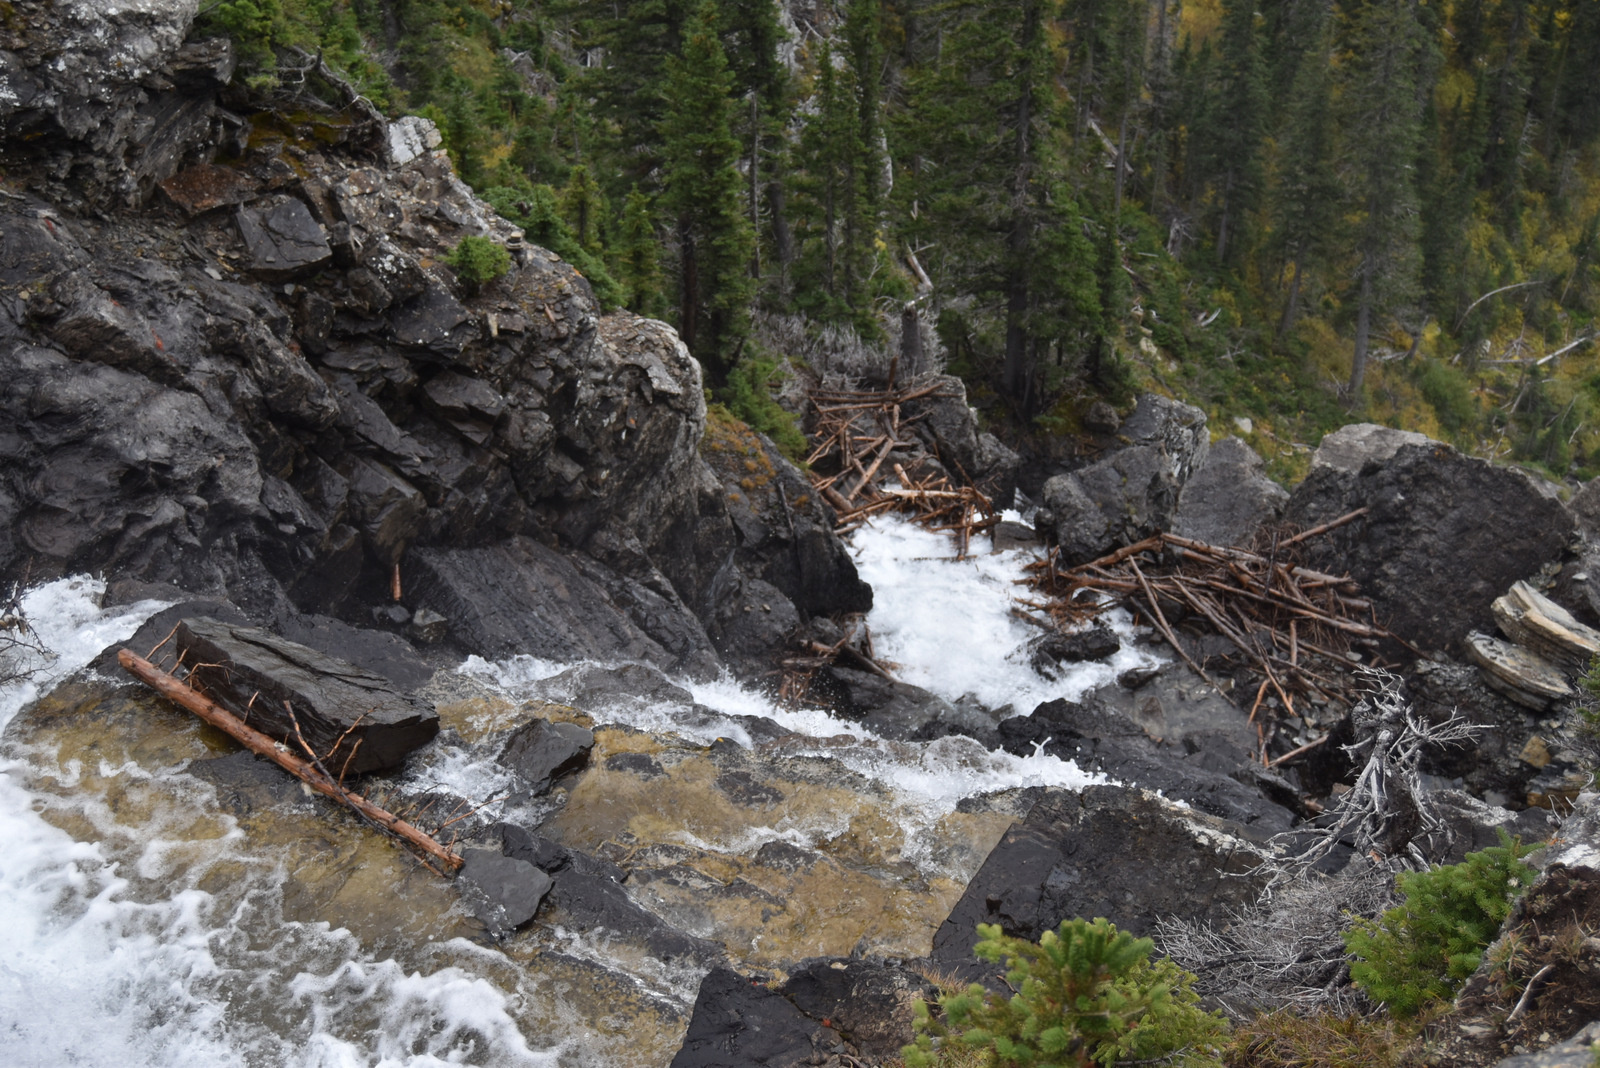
(1287, 211)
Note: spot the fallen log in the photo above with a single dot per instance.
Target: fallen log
(307, 771)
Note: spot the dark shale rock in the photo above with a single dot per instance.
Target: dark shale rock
(871, 1003)
(1193, 763)
(899, 710)
(501, 891)
(1108, 851)
(587, 894)
(282, 239)
(1445, 535)
(522, 597)
(1049, 651)
(1229, 498)
(354, 720)
(740, 1023)
(541, 751)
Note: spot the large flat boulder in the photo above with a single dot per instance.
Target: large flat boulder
(1228, 499)
(355, 721)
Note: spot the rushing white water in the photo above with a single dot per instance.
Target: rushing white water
(96, 970)
(131, 929)
(948, 623)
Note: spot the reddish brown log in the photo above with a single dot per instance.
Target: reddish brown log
(261, 745)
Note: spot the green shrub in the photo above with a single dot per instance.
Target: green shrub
(477, 260)
(748, 396)
(1423, 948)
(1448, 390)
(1086, 994)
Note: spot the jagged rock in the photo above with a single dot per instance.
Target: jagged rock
(522, 597)
(1444, 535)
(542, 751)
(205, 187)
(899, 710)
(740, 1022)
(1192, 762)
(1352, 447)
(1229, 498)
(1525, 677)
(871, 1003)
(1174, 429)
(1127, 496)
(353, 720)
(411, 137)
(282, 239)
(1108, 851)
(1541, 626)
(1491, 767)
(587, 895)
(501, 891)
(1048, 652)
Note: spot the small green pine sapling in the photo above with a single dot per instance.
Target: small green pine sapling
(477, 260)
(1423, 948)
(1086, 995)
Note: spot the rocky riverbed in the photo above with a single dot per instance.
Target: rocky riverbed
(250, 417)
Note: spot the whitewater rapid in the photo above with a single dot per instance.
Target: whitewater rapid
(122, 949)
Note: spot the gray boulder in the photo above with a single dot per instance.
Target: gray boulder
(1352, 447)
(542, 750)
(1444, 535)
(503, 892)
(1127, 496)
(1108, 851)
(282, 239)
(1177, 430)
(353, 720)
(1229, 498)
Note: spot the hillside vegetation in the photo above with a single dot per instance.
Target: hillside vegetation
(1291, 212)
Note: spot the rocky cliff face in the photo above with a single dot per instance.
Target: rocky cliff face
(237, 362)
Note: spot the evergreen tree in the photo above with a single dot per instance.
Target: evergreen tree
(702, 194)
(1306, 196)
(1385, 67)
(1230, 149)
(584, 207)
(638, 256)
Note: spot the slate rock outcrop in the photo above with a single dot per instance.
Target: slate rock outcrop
(242, 365)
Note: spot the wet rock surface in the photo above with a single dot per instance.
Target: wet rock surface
(353, 721)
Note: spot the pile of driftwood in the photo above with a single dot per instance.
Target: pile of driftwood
(856, 431)
(1292, 626)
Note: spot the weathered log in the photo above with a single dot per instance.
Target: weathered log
(305, 770)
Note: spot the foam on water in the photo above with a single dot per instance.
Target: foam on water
(96, 969)
(948, 623)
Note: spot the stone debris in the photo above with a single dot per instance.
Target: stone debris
(1541, 626)
(1525, 677)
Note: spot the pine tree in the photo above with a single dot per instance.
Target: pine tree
(1386, 67)
(986, 163)
(1306, 196)
(584, 207)
(1231, 142)
(638, 256)
(703, 196)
